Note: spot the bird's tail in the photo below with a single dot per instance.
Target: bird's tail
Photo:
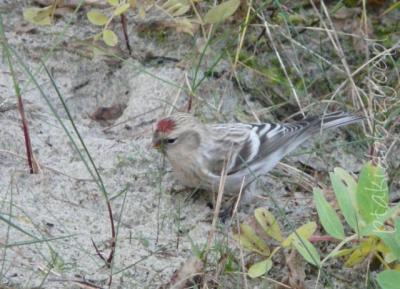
(335, 119)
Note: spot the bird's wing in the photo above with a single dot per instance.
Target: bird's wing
(252, 145)
(272, 141)
(240, 145)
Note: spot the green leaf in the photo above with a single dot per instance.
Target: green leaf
(372, 192)
(39, 16)
(307, 250)
(389, 238)
(269, 224)
(97, 18)
(343, 195)
(343, 252)
(349, 181)
(397, 230)
(389, 279)
(109, 37)
(328, 217)
(113, 2)
(377, 224)
(260, 268)
(121, 9)
(222, 11)
(305, 231)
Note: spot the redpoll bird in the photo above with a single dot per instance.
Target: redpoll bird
(198, 152)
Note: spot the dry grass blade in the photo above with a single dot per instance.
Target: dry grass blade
(332, 35)
(282, 65)
(238, 229)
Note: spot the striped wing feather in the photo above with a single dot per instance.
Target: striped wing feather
(255, 143)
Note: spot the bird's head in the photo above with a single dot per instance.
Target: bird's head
(176, 132)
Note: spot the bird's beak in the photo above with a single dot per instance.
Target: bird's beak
(157, 142)
(157, 145)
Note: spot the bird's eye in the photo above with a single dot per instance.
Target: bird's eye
(171, 140)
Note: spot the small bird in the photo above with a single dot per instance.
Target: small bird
(199, 152)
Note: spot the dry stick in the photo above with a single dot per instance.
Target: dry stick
(80, 283)
(99, 253)
(307, 28)
(239, 48)
(199, 19)
(110, 257)
(28, 144)
(125, 31)
(361, 67)
(191, 94)
(178, 93)
(238, 229)
(216, 211)
(130, 119)
(333, 37)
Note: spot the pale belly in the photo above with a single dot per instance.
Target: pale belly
(192, 177)
(186, 176)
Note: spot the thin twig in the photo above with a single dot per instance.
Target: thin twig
(99, 253)
(217, 209)
(130, 119)
(238, 229)
(125, 31)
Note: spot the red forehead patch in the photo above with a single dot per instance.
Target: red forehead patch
(165, 125)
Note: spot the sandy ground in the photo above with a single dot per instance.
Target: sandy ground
(155, 227)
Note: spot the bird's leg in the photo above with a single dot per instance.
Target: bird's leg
(194, 194)
(174, 191)
(227, 209)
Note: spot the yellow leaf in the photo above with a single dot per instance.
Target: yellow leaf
(244, 242)
(133, 3)
(360, 253)
(113, 2)
(256, 242)
(305, 231)
(177, 7)
(97, 18)
(39, 16)
(222, 11)
(185, 25)
(142, 12)
(269, 224)
(121, 9)
(109, 37)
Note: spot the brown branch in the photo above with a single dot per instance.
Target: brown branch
(99, 253)
(125, 30)
(28, 145)
(113, 237)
